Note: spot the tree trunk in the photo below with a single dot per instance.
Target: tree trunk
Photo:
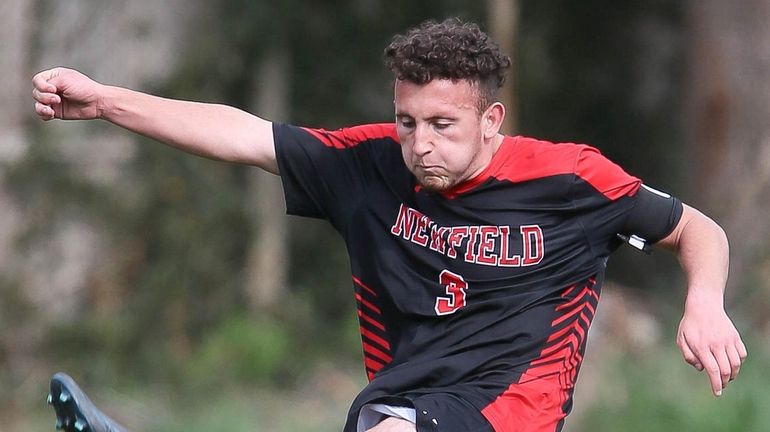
(18, 334)
(268, 258)
(15, 108)
(504, 26)
(728, 128)
(65, 34)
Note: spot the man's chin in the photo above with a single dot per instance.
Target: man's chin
(435, 184)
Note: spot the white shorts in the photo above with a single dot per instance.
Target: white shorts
(371, 414)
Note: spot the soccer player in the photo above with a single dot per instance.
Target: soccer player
(477, 258)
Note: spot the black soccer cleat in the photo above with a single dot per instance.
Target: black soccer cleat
(74, 411)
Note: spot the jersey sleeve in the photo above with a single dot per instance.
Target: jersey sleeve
(654, 216)
(614, 202)
(325, 173)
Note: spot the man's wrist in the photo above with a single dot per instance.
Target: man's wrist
(701, 298)
(107, 102)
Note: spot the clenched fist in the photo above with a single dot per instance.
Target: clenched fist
(66, 94)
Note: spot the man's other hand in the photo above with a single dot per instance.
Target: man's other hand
(710, 342)
(66, 94)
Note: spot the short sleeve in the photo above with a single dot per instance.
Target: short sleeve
(615, 202)
(325, 173)
(603, 195)
(654, 216)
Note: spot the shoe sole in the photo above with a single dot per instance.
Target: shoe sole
(69, 416)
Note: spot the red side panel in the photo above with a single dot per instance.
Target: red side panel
(536, 403)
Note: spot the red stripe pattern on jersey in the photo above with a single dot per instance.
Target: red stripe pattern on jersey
(353, 136)
(374, 336)
(520, 159)
(540, 400)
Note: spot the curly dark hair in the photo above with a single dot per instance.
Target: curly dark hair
(453, 50)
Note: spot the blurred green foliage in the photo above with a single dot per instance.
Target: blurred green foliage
(241, 351)
(658, 392)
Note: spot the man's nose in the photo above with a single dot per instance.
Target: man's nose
(423, 143)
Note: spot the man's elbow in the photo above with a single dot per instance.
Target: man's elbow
(693, 227)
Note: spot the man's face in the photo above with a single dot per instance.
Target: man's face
(440, 129)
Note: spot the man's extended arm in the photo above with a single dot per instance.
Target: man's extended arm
(210, 130)
(707, 338)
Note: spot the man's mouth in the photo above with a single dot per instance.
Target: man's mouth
(429, 168)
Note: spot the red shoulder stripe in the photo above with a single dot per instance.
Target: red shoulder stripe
(520, 159)
(352, 136)
(604, 175)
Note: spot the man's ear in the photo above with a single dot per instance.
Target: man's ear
(492, 120)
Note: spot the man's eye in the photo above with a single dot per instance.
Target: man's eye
(442, 126)
(407, 124)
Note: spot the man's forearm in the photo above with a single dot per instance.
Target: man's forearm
(210, 130)
(706, 336)
(703, 252)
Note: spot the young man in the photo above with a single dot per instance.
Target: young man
(477, 258)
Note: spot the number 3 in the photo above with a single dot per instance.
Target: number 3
(455, 287)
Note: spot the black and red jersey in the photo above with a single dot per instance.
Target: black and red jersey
(484, 293)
